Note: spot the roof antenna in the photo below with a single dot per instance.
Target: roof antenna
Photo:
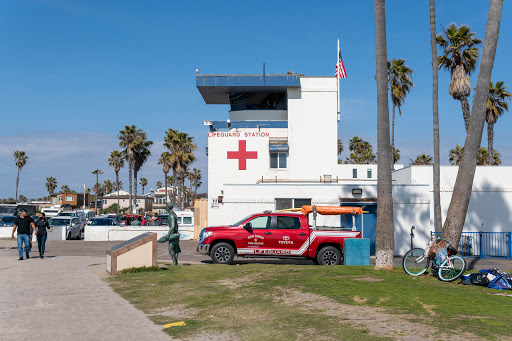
(263, 74)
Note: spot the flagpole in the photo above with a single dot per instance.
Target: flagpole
(338, 81)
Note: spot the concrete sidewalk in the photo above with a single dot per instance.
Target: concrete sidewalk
(63, 298)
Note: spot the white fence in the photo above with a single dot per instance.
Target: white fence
(58, 233)
(120, 233)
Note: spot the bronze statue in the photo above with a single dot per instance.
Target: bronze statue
(173, 237)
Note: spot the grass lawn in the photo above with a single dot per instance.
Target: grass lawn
(302, 302)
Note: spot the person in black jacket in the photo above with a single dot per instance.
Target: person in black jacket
(23, 224)
(41, 234)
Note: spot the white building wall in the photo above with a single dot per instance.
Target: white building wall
(313, 128)
(490, 206)
(411, 205)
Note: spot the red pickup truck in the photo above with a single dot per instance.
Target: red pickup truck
(279, 235)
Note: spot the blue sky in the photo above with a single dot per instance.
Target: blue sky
(74, 72)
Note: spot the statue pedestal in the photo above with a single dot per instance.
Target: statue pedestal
(136, 252)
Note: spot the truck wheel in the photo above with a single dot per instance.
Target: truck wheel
(222, 253)
(329, 256)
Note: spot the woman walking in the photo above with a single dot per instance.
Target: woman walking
(41, 226)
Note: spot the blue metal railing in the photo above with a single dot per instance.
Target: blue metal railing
(484, 244)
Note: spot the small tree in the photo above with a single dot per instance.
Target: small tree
(111, 209)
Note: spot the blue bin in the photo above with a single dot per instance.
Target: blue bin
(356, 251)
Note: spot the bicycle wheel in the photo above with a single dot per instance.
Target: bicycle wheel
(452, 268)
(415, 263)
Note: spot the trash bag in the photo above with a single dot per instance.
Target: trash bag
(480, 278)
(477, 278)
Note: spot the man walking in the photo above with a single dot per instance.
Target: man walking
(23, 224)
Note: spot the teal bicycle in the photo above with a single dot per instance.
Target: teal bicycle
(417, 261)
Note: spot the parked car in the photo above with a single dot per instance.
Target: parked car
(122, 220)
(7, 221)
(74, 228)
(103, 222)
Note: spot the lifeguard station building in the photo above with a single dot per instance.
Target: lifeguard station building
(276, 149)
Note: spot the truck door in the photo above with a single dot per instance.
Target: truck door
(257, 239)
(289, 238)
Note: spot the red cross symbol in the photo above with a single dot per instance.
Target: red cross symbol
(242, 155)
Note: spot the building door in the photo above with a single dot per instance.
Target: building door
(367, 223)
(258, 238)
(289, 238)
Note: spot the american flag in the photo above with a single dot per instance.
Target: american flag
(340, 68)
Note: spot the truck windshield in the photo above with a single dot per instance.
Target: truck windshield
(58, 222)
(241, 221)
(62, 214)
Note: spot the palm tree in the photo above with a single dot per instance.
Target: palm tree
(23, 198)
(495, 106)
(438, 219)
(119, 185)
(385, 241)
(65, 189)
(460, 54)
(396, 155)
(141, 153)
(422, 160)
(129, 138)
(181, 147)
(362, 152)
(481, 160)
(165, 160)
(170, 136)
(400, 83)
(457, 211)
(158, 183)
(340, 149)
(143, 183)
(340, 146)
(196, 182)
(51, 184)
(456, 155)
(484, 157)
(20, 159)
(108, 186)
(97, 187)
(116, 160)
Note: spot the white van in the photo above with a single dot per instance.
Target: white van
(79, 214)
(89, 214)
